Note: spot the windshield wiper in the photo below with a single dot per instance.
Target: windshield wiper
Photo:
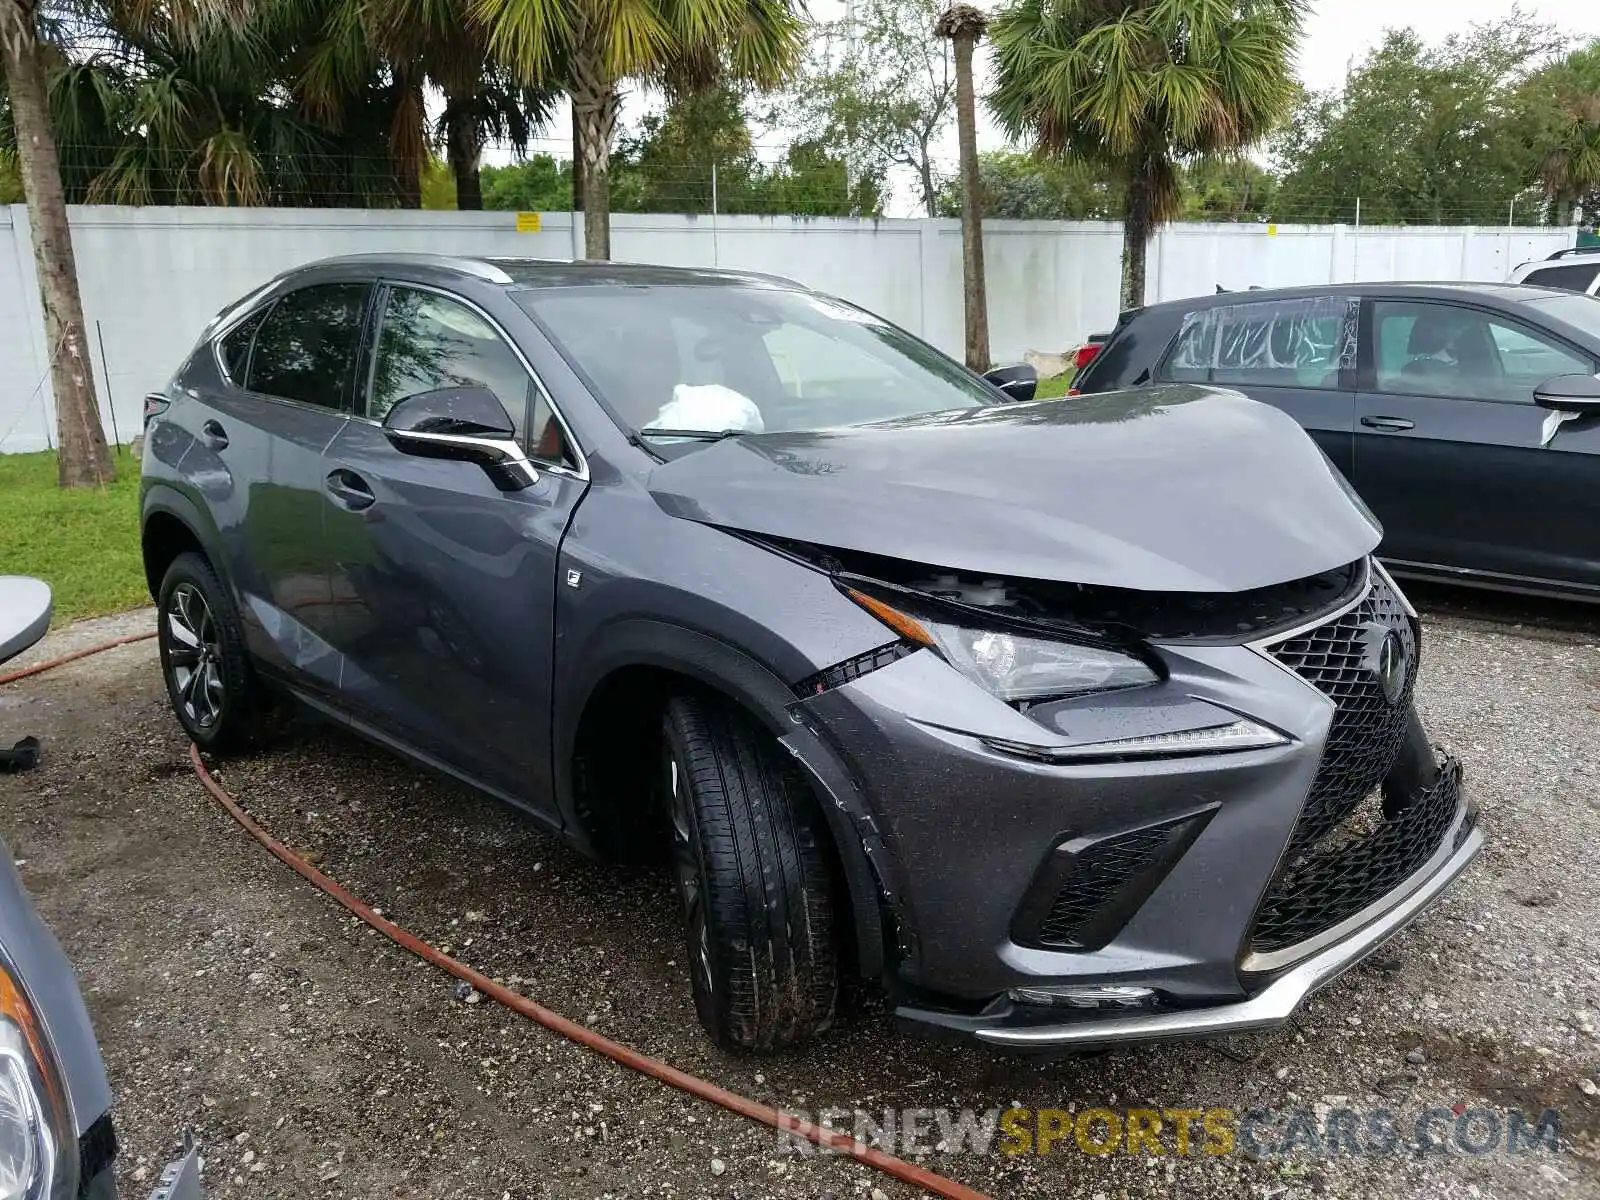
(699, 435)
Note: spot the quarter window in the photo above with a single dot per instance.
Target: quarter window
(1443, 350)
(427, 341)
(234, 346)
(1572, 278)
(306, 347)
(1293, 343)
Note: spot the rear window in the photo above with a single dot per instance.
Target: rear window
(1286, 343)
(1581, 312)
(1574, 277)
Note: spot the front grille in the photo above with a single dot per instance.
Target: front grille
(1343, 854)
(1330, 884)
(1367, 732)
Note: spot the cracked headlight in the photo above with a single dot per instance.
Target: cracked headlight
(38, 1148)
(1016, 666)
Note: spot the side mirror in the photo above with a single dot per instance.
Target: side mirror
(463, 424)
(1018, 382)
(1569, 393)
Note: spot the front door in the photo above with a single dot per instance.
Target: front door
(443, 585)
(1460, 465)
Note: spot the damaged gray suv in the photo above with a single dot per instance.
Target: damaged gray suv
(1067, 722)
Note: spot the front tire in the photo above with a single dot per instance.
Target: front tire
(754, 877)
(213, 688)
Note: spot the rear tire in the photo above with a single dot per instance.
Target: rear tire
(751, 861)
(213, 687)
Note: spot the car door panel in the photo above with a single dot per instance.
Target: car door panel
(443, 585)
(1480, 479)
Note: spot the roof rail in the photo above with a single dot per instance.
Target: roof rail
(1571, 250)
(420, 258)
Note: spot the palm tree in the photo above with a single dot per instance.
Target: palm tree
(596, 45)
(964, 25)
(1564, 100)
(26, 30)
(1138, 86)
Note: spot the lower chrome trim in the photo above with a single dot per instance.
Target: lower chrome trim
(1270, 1007)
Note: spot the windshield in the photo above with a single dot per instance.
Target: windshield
(1579, 311)
(714, 359)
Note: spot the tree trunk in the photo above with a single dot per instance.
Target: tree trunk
(976, 299)
(595, 104)
(83, 459)
(930, 189)
(464, 146)
(1136, 229)
(407, 142)
(577, 164)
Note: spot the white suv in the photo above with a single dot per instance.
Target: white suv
(1574, 270)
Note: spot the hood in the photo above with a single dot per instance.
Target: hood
(1180, 488)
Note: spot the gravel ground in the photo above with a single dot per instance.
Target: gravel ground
(311, 1057)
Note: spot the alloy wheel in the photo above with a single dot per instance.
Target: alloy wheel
(686, 864)
(194, 656)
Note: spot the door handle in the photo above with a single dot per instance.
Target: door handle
(350, 490)
(214, 435)
(1392, 424)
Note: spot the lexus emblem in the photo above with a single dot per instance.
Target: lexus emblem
(1391, 666)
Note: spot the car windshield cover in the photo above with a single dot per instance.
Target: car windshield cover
(1580, 311)
(717, 360)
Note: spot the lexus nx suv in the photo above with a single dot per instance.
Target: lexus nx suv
(1067, 722)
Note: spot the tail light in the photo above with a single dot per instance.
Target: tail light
(154, 405)
(1084, 355)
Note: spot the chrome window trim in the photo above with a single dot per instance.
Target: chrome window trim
(581, 472)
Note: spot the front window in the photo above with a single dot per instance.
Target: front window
(1425, 349)
(716, 359)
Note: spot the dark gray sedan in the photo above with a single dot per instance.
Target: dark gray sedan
(1464, 414)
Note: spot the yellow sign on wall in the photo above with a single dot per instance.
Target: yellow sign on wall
(527, 222)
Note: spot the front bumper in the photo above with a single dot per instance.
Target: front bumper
(1021, 1027)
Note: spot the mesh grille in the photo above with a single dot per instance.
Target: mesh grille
(1331, 884)
(1098, 875)
(1367, 732)
(1343, 855)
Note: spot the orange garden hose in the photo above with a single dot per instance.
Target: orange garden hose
(701, 1089)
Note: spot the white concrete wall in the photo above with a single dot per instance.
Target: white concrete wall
(152, 277)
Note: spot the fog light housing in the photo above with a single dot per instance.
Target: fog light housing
(1105, 995)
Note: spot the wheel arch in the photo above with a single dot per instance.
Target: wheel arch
(629, 673)
(171, 524)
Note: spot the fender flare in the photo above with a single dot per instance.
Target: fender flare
(168, 500)
(726, 668)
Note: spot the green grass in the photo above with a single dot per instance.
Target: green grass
(1054, 386)
(83, 542)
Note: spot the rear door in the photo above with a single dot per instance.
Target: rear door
(443, 585)
(1462, 467)
(1295, 354)
(290, 370)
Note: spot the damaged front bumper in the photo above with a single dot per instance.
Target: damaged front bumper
(1029, 1027)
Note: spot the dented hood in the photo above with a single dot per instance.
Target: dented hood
(1165, 489)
